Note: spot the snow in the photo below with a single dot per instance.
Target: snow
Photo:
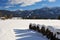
(7, 28)
(51, 28)
(28, 35)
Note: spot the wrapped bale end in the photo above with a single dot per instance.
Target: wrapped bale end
(32, 26)
(38, 28)
(51, 29)
(43, 30)
(47, 33)
(50, 32)
(58, 34)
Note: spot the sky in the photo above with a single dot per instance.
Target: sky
(27, 4)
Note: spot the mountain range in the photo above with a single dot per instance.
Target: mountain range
(44, 12)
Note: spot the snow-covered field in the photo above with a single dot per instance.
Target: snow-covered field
(7, 28)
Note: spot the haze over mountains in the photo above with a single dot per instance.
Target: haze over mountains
(44, 12)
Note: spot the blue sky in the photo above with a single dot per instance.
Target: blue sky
(27, 4)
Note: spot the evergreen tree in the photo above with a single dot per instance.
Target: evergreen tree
(10, 16)
(0, 14)
(58, 17)
(6, 17)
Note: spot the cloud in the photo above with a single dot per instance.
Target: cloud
(8, 6)
(52, 0)
(24, 2)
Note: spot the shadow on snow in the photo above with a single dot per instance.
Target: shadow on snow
(28, 35)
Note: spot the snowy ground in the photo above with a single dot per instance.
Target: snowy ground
(28, 35)
(8, 29)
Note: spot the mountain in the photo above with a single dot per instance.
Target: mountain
(44, 12)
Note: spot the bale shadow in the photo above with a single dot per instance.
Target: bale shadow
(28, 35)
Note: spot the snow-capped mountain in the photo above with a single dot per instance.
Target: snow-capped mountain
(44, 12)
